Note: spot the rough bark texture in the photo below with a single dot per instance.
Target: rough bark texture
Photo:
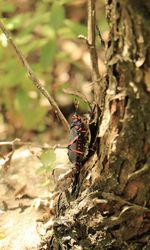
(110, 207)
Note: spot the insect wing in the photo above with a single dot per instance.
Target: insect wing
(78, 138)
(73, 146)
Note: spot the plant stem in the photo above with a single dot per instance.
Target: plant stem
(18, 142)
(91, 41)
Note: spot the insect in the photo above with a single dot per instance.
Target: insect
(77, 148)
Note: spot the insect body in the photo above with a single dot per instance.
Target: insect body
(78, 138)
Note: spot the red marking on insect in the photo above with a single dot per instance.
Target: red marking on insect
(77, 151)
(78, 139)
(77, 127)
(73, 140)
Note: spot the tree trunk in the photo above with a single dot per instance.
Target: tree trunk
(111, 209)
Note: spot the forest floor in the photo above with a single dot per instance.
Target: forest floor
(21, 189)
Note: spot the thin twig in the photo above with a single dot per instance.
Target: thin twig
(100, 36)
(137, 174)
(34, 78)
(18, 142)
(91, 41)
(78, 94)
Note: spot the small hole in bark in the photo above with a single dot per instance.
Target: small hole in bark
(109, 1)
(118, 5)
(147, 61)
(91, 231)
(118, 22)
(109, 43)
(105, 161)
(115, 72)
(116, 227)
(126, 101)
(116, 45)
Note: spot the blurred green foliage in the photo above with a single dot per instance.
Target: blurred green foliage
(48, 163)
(47, 159)
(38, 29)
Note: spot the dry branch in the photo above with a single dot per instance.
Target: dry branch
(18, 142)
(91, 42)
(78, 94)
(34, 78)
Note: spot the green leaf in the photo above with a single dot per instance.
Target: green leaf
(7, 7)
(41, 171)
(17, 21)
(48, 157)
(21, 101)
(57, 15)
(14, 73)
(48, 53)
(33, 46)
(37, 112)
(103, 24)
(33, 21)
(64, 1)
(46, 183)
(76, 28)
(28, 110)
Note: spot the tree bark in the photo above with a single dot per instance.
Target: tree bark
(111, 209)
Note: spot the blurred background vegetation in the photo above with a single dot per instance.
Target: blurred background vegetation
(47, 32)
